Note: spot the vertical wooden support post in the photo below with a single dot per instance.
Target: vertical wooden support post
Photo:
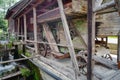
(16, 55)
(25, 33)
(24, 49)
(91, 38)
(68, 38)
(35, 29)
(25, 28)
(118, 51)
(106, 43)
(18, 28)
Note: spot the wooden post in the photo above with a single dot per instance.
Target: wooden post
(18, 28)
(25, 28)
(106, 43)
(35, 29)
(118, 51)
(91, 38)
(50, 37)
(16, 54)
(68, 38)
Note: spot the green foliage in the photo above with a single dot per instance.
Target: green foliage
(3, 24)
(27, 54)
(10, 44)
(4, 5)
(35, 71)
(20, 51)
(25, 72)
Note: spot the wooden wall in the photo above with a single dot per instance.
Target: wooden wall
(110, 24)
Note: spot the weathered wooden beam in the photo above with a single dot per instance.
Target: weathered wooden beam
(68, 38)
(20, 59)
(105, 6)
(50, 37)
(91, 33)
(48, 16)
(54, 14)
(35, 29)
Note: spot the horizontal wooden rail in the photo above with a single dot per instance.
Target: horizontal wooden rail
(20, 59)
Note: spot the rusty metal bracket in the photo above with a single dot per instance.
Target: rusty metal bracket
(118, 5)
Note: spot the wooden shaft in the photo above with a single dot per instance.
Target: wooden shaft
(68, 38)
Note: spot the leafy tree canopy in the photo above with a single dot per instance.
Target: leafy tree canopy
(4, 5)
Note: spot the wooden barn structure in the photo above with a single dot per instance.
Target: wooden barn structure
(63, 33)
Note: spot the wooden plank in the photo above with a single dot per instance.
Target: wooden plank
(68, 38)
(50, 37)
(35, 29)
(105, 62)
